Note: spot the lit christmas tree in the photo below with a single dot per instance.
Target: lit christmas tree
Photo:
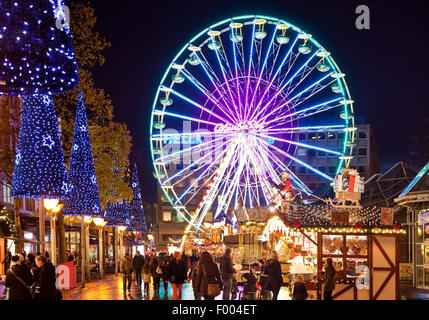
(138, 221)
(37, 55)
(84, 198)
(117, 214)
(40, 171)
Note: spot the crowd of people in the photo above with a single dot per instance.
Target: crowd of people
(30, 277)
(209, 277)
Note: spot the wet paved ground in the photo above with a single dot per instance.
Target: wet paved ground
(111, 288)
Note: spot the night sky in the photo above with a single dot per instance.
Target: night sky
(386, 66)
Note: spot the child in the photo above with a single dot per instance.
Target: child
(146, 278)
(251, 286)
(299, 290)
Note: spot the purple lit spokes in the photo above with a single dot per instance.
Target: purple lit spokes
(216, 88)
(234, 47)
(261, 71)
(302, 113)
(211, 97)
(199, 106)
(289, 101)
(249, 68)
(283, 87)
(225, 76)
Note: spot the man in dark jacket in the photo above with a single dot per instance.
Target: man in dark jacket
(138, 262)
(46, 280)
(126, 268)
(164, 267)
(227, 272)
(18, 278)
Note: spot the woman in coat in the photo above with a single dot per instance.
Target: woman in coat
(329, 279)
(177, 273)
(208, 272)
(18, 280)
(274, 271)
(46, 280)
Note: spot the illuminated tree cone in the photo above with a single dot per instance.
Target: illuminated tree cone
(117, 214)
(40, 171)
(37, 55)
(84, 198)
(136, 210)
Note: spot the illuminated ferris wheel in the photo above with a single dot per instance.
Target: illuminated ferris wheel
(229, 110)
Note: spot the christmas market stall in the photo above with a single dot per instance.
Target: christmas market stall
(362, 242)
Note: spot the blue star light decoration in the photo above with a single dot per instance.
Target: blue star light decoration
(37, 55)
(39, 171)
(136, 204)
(84, 197)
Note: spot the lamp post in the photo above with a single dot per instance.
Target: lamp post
(100, 223)
(53, 207)
(87, 221)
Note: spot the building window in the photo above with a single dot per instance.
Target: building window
(321, 136)
(311, 136)
(302, 136)
(302, 170)
(302, 152)
(322, 169)
(331, 136)
(321, 153)
(6, 193)
(166, 216)
(340, 136)
(362, 152)
(362, 134)
(311, 153)
(331, 169)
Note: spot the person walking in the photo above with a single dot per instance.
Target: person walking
(146, 278)
(156, 272)
(138, 262)
(193, 277)
(274, 272)
(299, 289)
(164, 268)
(177, 272)
(329, 279)
(227, 272)
(45, 280)
(208, 273)
(18, 279)
(31, 261)
(127, 271)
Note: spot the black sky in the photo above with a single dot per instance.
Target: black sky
(386, 66)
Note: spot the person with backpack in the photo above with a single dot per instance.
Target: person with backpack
(156, 275)
(19, 280)
(228, 272)
(209, 280)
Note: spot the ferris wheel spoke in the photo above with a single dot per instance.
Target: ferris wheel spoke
(301, 185)
(305, 73)
(178, 154)
(189, 167)
(179, 116)
(249, 68)
(330, 128)
(304, 112)
(223, 95)
(263, 109)
(204, 90)
(304, 145)
(315, 84)
(202, 175)
(261, 71)
(299, 161)
(192, 102)
(237, 68)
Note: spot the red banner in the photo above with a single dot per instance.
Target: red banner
(66, 275)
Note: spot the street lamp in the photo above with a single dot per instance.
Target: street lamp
(53, 206)
(100, 223)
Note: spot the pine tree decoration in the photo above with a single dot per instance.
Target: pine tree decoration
(138, 220)
(40, 171)
(84, 198)
(37, 55)
(117, 214)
